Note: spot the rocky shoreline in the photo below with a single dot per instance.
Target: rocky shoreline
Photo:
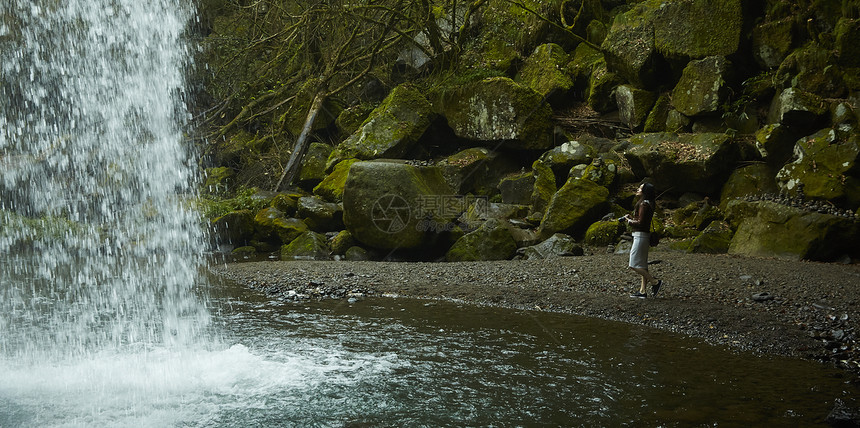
(789, 308)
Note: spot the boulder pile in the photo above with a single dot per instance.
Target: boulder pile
(744, 115)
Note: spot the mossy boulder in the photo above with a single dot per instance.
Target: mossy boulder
(601, 86)
(497, 110)
(827, 166)
(659, 114)
(517, 188)
(775, 143)
(390, 130)
(475, 170)
(271, 225)
(785, 232)
(286, 202)
(797, 109)
(385, 203)
(634, 104)
(603, 233)
(703, 86)
(574, 207)
(847, 34)
(350, 119)
(683, 29)
(750, 180)
(218, 179)
(313, 167)
(331, 187)
(544, 186)
(600, 171)
(342, 242)
(567, 155)
(544, 72)
(319, 215)
(557, 245)
(307, 246)
(583, 62)
(491, 241)
(235, 228)
(697, 28)
(814, 69)
(772, 41)
(685, 162)
(714, 239)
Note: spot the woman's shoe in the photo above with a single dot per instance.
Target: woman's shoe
(639, 295)
(656, 287)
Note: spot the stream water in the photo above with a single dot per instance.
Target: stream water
(106, 320)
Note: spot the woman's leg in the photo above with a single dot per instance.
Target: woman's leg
(647, 278)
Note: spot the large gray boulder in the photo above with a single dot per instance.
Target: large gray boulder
(557, 245)
(387, 204)
(498, 110)
(544, 71)
(390, 130)
(770, 229)
(797, 109)
(684, 163)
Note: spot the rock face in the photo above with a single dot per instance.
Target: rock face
(386, 203)
(770, 229)
(498, 109)
(703, 86)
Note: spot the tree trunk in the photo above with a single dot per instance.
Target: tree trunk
(301, 145)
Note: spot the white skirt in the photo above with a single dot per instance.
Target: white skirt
(639, 250)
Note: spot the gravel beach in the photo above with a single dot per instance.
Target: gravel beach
(790, 308)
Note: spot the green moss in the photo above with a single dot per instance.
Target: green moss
(603, 233)
(331, 188)
(544, 186)
(245, 199)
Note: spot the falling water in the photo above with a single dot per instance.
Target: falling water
(99, 247)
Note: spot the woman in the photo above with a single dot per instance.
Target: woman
(641, 225)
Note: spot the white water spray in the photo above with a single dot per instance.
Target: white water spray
(99, 246)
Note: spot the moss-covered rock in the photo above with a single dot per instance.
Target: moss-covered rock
(775, 143)
(544, 72)
(600, 171)
(557, 245)
(517, 188)
(827, 166)
(714, 239)
(772, 41)
(219, 179)
(491, 241)
(390, 130)
(307, 246)
(498, 110)
(574, 207)
(271, 225)
(319, 215)
(583, 62)
(235, 228)
(350, 119)
(544, 186)
(797, 109)
(814, 69)
(356, 254)
(603, 233)
(312, 171)
(847, 33)
(684, 163)
(629, 45)
(697, 28)
(286, 202)
(476, 170)
(385, 203)
(703, 86)
(297, 111)
(565, 156)
(601, 85)
(747, 181)
(331, 188)
(659, 114)
(782, 231)
(342, 242)
(633, 104)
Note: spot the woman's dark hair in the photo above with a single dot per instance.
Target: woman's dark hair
(649, 193)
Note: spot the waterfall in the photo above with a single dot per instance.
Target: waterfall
(99, 242)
